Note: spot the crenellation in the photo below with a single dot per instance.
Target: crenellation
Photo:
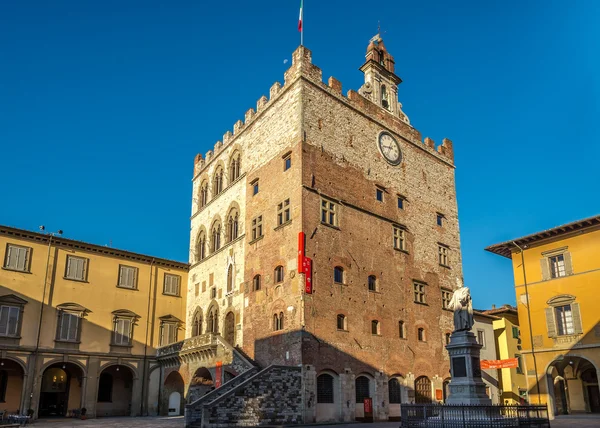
(209, 155)
(237, 127)
(429, 143)
(274, 90)
(447, 149)
(249, 115)
(335, 85)
(218, 147)
(302, 66)
(261, 103)
(227, 137)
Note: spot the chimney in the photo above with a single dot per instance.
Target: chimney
(493, 306)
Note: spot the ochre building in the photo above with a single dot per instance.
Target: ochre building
(377, 205)
(80, 325)
(557, 272)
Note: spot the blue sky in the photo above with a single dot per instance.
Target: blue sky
(103, 106)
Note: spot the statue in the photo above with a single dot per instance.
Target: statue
(463, 308)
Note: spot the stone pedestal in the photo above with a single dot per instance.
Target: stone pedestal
(466, 386)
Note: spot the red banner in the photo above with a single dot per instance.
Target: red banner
(368, 403)
(308, 286)
(509, 363)
(218, 374)
(301, 252)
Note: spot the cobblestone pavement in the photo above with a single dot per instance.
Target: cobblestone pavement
(576, 421)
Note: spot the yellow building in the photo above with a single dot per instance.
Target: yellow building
(80, 324)
(512, 381)
(557, 278)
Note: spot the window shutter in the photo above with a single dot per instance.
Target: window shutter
(83, 269)
(577, 325)
(4, 320)
(21, 255)
(550, 324)
(69, 262)
(27, 256)
(545, 269)
(9, 256)
(568, 263)
(134, 272)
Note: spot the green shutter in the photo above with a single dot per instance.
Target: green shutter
(577, 325)
(545, 269)
(550, 324)
(568, 263)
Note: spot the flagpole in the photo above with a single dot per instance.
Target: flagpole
(301, 22)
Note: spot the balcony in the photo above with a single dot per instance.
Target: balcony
(203, 342)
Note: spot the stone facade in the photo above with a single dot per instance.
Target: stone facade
(364, 332)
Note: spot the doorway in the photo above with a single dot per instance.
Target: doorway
(230, 328)
(61, 390)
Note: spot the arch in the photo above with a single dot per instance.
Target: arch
(212, 319)
(217, 186)
(235, 166)
(133, 369)
(372, 282)
(197, 322)
(385, 103)
(328, 403)
(422, 390)
(230, 328)
(59, 361)
(446, 388)
(256, 282)
(61, 388)
(233, 225)
(396, 393)
(230, 273)
(278, 274)
(363, 388)
(203, 192)
(215, 235)
(375, 327)
(201, 240)
(173, 386)
(12, 384)
(342, 322)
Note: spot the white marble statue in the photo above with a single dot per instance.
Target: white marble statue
(463, 308)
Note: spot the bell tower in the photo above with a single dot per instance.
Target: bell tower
(381, 83)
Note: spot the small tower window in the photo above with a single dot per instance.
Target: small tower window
(372, 283)
(338, 275)
(382, 58)
(375, 327)
(384, 98)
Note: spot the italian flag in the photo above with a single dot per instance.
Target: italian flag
(300, 18)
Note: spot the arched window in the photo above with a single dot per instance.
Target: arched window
(230, 279)
(203, 194)
(394, 391)
(401, 330)
(280, 320)
(213, 321)
(372, 283)
(218, 181)
(105, 386)
(197, 323)
(382, 58)
(232, 225)
(201, 246)
(338, 275)
(234, 167)
(448, 338)
(216, 236)
(341, 322)
(362, 387)
(421, 334)
(256, 283)
(325, 389)
(278, 275)
(375, 327)
(384, 97)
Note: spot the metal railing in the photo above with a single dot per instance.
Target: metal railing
(457, 416)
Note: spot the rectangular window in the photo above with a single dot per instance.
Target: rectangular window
(401, 201)
(443, 255)
(379, 194)
(257, 228)
(446, 297)
(401, 330)
(287, 162)
(17, 258)
(419, 291)
(564, 320)
(399, 239)
(481, 337)
(77, 268)
(440, 219)
(168, 333)
(9, 320)
(69, 324)
(329, 212)
(254, 187)
(557, 266)
(213, 293)
(127, 276)
(122, 333)
(515, 332)
(171, 285)
(519, 364)
(283, 212)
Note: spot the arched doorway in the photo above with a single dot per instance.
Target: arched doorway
(395, 388)
(446, 388)
(230, 328)
(422, 390)
(328, 397)
(61, 390)
(172, 390)
(11, 385)
(201, 384)
(363, 388)
(573, 386)
(115, 387)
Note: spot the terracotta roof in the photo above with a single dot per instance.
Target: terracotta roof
(484, 314)
(93, 248)
(501, 310)
(504, 248)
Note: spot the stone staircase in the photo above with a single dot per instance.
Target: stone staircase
(271, 396)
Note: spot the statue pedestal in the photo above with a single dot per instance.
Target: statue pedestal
(466, 385)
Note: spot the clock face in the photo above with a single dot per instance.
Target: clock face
(390, 149)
